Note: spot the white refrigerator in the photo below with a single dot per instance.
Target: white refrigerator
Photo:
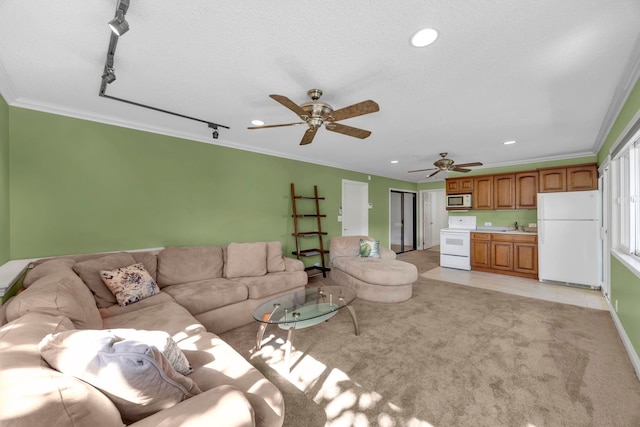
(568, 238)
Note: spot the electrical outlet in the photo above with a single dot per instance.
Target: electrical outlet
(339, 218)
(487, 224)
(532, 225)
(616, 306)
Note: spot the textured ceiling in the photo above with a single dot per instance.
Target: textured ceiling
(549, 74)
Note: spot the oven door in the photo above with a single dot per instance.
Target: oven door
(455, 242)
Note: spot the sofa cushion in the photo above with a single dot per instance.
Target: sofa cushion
(115, 309)
(129, 284)
(205, 295)
(275, 260)
(89, 272)
(369, 248)
(273, 283)
(190, 264)
(378, 271)
(31, 393)
(58, 294)
(245, 259)
(135, 376)
(161, 341)
(46, 268)
(167, 316)
(150, 261)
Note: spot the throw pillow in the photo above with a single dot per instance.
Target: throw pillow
(137, 378)
(163, 342)
(369, 248)
(275, 260)
(129, 284)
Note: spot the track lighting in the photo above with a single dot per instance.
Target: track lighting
(119, 25)
(109, 75)
(215, 130)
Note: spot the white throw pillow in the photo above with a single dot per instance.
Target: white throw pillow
(130, 284)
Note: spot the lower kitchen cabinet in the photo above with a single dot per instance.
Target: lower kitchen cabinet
(505, 253)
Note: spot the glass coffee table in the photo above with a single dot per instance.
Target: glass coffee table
(302, 309)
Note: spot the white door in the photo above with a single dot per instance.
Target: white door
(355, 208)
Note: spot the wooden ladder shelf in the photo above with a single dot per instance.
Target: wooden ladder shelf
(316, 231)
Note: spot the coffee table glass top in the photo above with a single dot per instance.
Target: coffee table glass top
(304, 308)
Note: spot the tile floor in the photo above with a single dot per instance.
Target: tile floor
(519, 286)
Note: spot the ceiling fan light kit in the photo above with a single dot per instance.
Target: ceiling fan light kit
(315, 113)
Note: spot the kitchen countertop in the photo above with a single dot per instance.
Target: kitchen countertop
(501, 230)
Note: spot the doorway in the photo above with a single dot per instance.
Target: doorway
(355, 208)
(434, 217)
(402, 221)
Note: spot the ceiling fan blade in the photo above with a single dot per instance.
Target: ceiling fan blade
(276, 126)
(364, 107)
(421, 170)
(290, 105)
(459, 169)
(432, 174)
(347, 130)
(307, 138)
(464, 165)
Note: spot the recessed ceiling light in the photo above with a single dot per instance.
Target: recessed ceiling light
(424, 37)
(509, 142)
(394, 161)
(257, 122)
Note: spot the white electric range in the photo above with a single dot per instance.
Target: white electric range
(455, 242)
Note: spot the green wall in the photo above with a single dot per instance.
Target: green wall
(625, 285)
(4, 182)
(79, 186)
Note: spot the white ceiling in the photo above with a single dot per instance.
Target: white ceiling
(549, 74)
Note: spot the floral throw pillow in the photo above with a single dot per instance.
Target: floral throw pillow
(369, 248)
(129, 284)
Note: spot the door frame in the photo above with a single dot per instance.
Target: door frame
(424, 194)
(604, 187)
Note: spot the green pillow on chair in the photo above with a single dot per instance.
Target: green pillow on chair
(369, 248)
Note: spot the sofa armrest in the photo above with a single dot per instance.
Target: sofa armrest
(292, 264)
(223, 405)
(386, 253)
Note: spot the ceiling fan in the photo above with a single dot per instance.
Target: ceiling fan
(445, 164)
(315, 113)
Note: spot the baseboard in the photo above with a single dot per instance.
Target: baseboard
(631, 351)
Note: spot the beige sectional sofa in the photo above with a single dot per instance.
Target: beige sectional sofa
(68, 318)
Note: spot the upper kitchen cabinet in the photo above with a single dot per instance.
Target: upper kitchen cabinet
(483, 192)
(582, 177)
(459, 185)
(504, 191)
(552, 180)
(526, 190)
(569, 178)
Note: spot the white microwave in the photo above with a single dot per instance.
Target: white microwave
(459, 201)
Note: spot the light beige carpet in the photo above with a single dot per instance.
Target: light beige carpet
(452, 356)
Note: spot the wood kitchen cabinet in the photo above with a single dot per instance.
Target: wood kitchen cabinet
(568, 178)
(505, 253)
(459, 185)
(504, 191)
(582, 177)
(483, 192)
(526, 184)
(480, 250)
(552, 180)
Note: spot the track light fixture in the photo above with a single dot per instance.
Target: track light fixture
(215, 130)
(119, 26)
